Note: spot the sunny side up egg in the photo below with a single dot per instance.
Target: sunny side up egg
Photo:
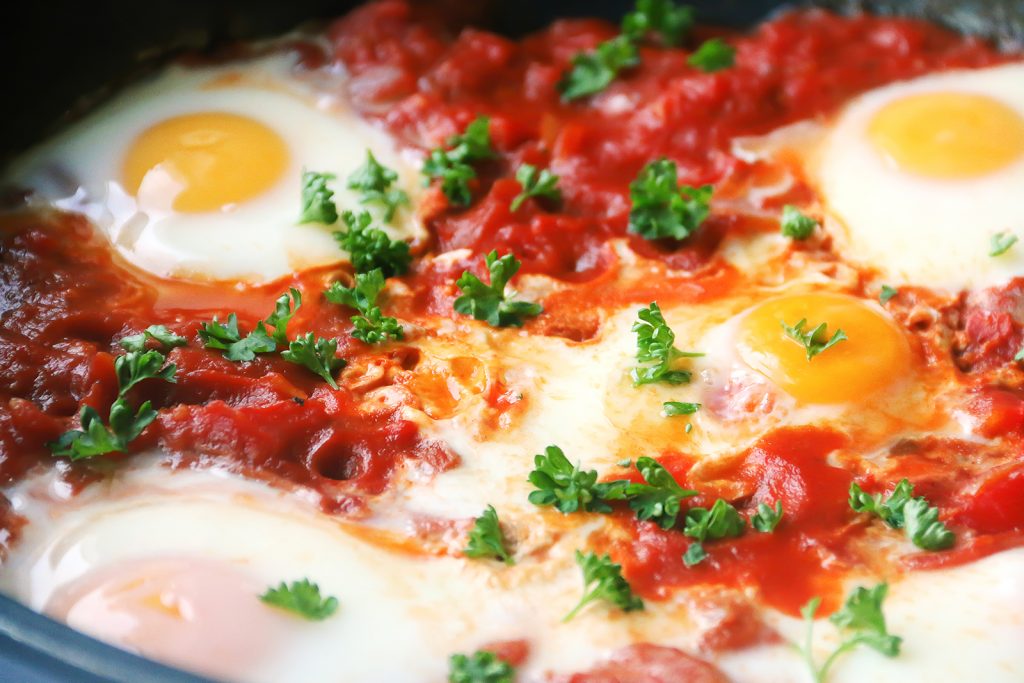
(917, 177)
(196, 174)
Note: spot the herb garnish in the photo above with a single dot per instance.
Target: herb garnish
(371, 325)
(488, 302)
(655, 350)
(662, 208)
(302, 598)
(317, 199)
(901, 510)
(713, 55)
(480, 667)
(814, 341)
(795, 224)
(373, 180)
(602, 580)
(370, 247)
(486, 539)
(534, 184)
(453, 165)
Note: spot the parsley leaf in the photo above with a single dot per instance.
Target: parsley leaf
(660, 498)
(453, 166)
(485, 538)
(862, 622)
(655, 351)
(134, 366)
(672, 22)
(695, 554)
(901, 509)
(814, 341)
(1019, 356)
(544, 184)
(284, 308)
(370, 247)
(569, 488)
(664, 209)
(721, 521)
(303, 598)
(316, 355)
(226, 337)
(95, 438)
(602, 580)
(673, 408)
(713, 55)
(591, 72)
(371, 326)
(373, 180)
(167, 339)
(1001, 243)
(487, 302)
(767, 518)
(480, 667)
(795, 224)
(886, 294)
(317, 199)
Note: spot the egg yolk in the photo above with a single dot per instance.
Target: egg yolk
(948, 135)
(873, 356)
(203, 162)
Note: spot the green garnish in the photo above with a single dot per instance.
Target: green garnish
(602, 580)
(95, 438)
(488, 302)
(486, 539)
(158, 333)
(593, 71)
(795, 224)
(713, 55)
(302, 598)
(370, 247)
(317, 199)
(886, 294)
(655, 351)
(373, 180)
(226, 337)
(1019, 356)
(721, 521)
(316, 355)
(284, 308)
(125, 425)
(453, 166)
(567, 487)
(660, 498)
(814, 341)
(534, 184)
(918, 519)
(673, 408)
(862, 623)
(1001, 243)
(664, 209)
(371, 326)
(480, 667)
(767, 518)
(670, 21)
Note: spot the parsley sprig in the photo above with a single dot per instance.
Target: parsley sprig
(767, 517)
(480, 667)
(659, 498)
(670, 21)
(602, 580)
(535, 184)
(862, 623)
(302, 598)
(901, 510)
(371, 325)
(317, 199)
(158, 333)
(702, 524)
(485, 538)
(664, 209)
(316, 355)
(814, 341)
(795, 224)
(124, 424)
(713, 55)
(489, 302)
(370, 247)
(568, 487)
(1000, 243)
(373, 181)
(453, 166)
(591, 72)
(655, 350)
(226, 337)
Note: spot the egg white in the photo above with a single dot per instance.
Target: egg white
(254, 241)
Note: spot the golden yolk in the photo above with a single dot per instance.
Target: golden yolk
(948, 135)
(874, 355)
(203, 162)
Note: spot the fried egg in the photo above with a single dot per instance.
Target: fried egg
(196, 174)
(917, 177)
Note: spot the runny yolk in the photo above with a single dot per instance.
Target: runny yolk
(948, 135)
(874, 355)
(203, 162)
